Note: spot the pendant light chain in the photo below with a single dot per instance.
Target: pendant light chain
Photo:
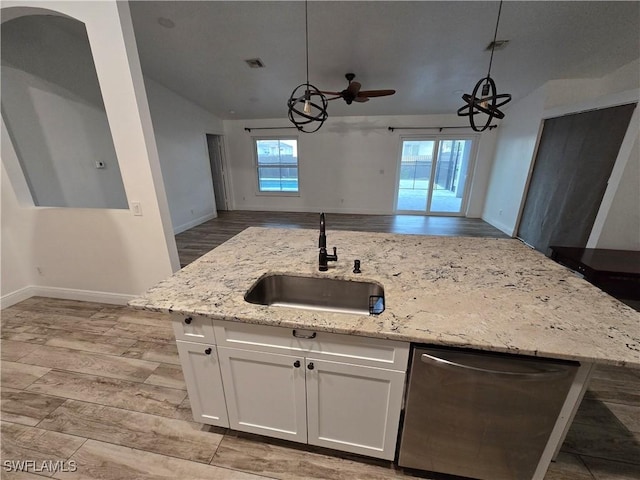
(306, 33)
(495, 36)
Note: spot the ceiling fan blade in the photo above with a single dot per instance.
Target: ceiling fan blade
(354, 88)
(331, 93)
(375, 93)
(334, 98)
(360, 99)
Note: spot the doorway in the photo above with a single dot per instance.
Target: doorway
(434, 175)
(216, 160)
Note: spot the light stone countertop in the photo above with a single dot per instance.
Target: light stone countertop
(481, 293)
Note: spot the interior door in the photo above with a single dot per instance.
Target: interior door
(575, 158)
(216, 160)
(434, 175)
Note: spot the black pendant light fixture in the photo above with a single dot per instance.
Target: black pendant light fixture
(307, 105)
(489, 102)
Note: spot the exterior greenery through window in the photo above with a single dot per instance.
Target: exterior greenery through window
(277, 164)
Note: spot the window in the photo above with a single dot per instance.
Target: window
(277, 164)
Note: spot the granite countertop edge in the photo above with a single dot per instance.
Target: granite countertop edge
(232, 268)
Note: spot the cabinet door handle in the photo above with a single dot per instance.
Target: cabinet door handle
(188, 320)
(313, 335)
(296, 364)
(310, 366)
(208, 351)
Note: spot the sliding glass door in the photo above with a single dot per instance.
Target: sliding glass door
(434, 174)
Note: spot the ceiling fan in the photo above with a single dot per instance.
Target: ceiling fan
(353, 93)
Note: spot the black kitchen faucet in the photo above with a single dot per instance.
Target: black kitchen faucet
(324, 257)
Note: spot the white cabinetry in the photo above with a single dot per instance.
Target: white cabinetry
(265, 393)
(353, 408)
(287, 384)
(204, 384)
(201, 369)
(336, 391)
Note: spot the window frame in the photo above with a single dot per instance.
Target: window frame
(256, 166)
(438, 139)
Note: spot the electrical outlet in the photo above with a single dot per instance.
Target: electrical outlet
(100, 164)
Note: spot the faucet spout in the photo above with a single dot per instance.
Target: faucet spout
(322, 241)
(323, 256)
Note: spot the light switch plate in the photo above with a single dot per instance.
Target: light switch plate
(136, 208)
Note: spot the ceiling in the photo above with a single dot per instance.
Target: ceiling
(430, 52)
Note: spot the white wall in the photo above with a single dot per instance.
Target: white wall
(621, 230)
(16, 269)
(53, 109)
(349, 166)
(518, 136)
(180, 131)
(94, 254)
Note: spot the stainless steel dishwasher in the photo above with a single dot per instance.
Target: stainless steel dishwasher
(481, 415)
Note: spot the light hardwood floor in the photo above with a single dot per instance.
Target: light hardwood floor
(101, 386)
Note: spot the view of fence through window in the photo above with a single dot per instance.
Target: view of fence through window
(418, 191)
(277, 164)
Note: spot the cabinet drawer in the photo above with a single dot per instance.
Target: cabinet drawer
(374, 352)
(193, 328)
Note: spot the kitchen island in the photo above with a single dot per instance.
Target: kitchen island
(488, 295)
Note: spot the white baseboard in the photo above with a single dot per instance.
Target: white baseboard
(500, 226)
(355, 211)
(194, 223)
(15, 297)
(64, 293)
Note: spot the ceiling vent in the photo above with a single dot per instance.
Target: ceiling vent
(255, 63)
(497, 45)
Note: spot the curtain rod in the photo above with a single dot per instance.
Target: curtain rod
(391, 129)
(248, 129)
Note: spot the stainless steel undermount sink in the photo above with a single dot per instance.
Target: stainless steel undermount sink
(313, 293)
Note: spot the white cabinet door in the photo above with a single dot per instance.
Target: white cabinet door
(353, 408)
(265, 393)
(204, 383)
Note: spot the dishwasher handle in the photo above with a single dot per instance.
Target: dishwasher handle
(441, 362)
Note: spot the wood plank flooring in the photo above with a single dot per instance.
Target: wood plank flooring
(99, 388)
(115, 403)
(199, 240)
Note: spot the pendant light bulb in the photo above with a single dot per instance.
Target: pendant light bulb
(307, 107)
(484, 100)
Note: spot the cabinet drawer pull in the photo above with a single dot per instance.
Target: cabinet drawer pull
(310, 366)
(296, 364)
(188, 320)
(208, 351)
(313, 335)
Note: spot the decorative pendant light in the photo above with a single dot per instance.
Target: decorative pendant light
(489, 102)
(307, 105)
